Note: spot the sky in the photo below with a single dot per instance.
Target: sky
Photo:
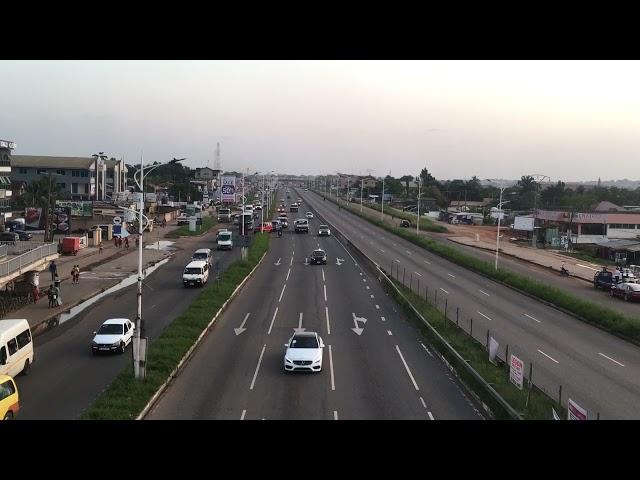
(568, 120)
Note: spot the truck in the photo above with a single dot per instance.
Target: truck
(301, 225)
(224, 214)
(225, 240)
(293, 207)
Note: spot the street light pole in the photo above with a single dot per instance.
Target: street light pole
(499, 218)
(361, 188)
(418, 221)
(382, 202)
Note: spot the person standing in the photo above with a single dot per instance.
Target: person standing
(51, 296)
(57, 297)
(35, 293)
(100, 246)
(53, 268)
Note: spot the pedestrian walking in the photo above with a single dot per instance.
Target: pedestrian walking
(56, 296)
(35, 293)
(100, 246)
(126, 242)
(51, 296)
(53, 268)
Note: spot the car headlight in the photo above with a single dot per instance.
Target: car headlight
(317, 361)
(116, 344)
(288, 360)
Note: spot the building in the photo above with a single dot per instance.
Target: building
(83, 178)
(5, 179)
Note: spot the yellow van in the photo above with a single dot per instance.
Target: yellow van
(9, 399)
(16, 347)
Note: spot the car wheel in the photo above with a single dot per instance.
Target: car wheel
(26, 368)
(122, 347)
(8, 415)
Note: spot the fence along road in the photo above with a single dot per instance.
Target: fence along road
(570, 358)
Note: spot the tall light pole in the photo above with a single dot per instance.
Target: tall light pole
(382, 202)
(140, 358)
(361, 188)
(418, 221)
(539, 178)
(502, 187)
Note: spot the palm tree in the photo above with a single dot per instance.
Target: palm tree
(42, 193)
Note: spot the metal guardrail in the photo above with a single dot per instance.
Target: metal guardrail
(19, 247)
(16, 263)
(3, 250)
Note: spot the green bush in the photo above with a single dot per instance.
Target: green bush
(125, 398)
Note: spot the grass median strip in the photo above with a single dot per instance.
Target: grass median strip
(532, 405)
(614, 322)
(207, 223)
(125, 398)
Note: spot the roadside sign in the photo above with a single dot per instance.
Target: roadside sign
(117, 221)
(493, 350)
(515, 372)
(575, 411)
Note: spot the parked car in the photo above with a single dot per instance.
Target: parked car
(405, 223)
(9, 398)
(628, 291)
(324, 230)
(304, 352)
(114, 335)
(318, 257)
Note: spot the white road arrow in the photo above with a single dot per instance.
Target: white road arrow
(299, 329)
(278, 262)
(242, 329)
(339, 261)
(306, 261)
(357, 329)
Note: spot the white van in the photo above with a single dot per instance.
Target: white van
(16, 347)
(225, 240)
(203, 254)
(196, 273)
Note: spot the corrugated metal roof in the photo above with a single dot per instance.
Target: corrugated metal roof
(51, 162)
(620, 243)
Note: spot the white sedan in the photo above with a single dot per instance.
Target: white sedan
(114, 335)
(309, 215)
(304, 352)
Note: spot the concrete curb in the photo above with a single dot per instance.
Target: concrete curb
(192, 349)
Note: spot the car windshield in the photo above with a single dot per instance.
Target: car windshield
(224, 236)
(111, 329)
(318, 253)
(200, 256)
(324, 227)
(304, 342)
(192, 271)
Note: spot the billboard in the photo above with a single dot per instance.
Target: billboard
(228, 189)
(523, 223)
(575, 411)
(516, 371)
(33, 218)
(78, 209)
(61, 220)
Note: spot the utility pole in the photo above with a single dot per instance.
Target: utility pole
(382, 202)
(418, 221)
(499, 218)
(361, 188)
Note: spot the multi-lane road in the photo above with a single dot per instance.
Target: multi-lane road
(375, 365)
(594, 368)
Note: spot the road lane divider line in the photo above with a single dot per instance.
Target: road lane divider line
(609, 358)
(381, 250)
(383, 319)
(288, 272)
(483, 292)
(335, 415)
(243, 413)
(532, 318)
(444, 290)
(291, 262)
(428, 351)
(333, 383)
(257, 367)
(430, 416)
(368, 287)
(549, 357)
(407, 368)
(480, 313)
(396, 260)
(325, 292)
(372, 295)
(419, 274)
(452, 276)
(326, 311)
(282, 293)
(427, 262)
(377, 307)
(272, 320)
(389, 332)
(423, 404)
(408, 252)
(322, 276)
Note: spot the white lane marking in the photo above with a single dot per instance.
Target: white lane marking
(288, 272)
(532, 318)
(333, 384)
(367, 287)
(396, 260)
(419, 274)
(389, 332)
(407, 368)
(291, 262)
(272, 320)
(428, 351)
(395, 244)
(360, 273)
(243, 413)
(364, 279)
(423, 404)
(322, 276)
(282, 293)
(480, 313)
(609, 358)
(372, 295)
(430, 416)
(408, 252)
(551, 358)
(381, 250)
(335, 415)
(427, 262)
(326, 311)
(383, 319)
(453, 276)
(257, 367)
(325, 292)
(483, 292)
(377, 307)
(444, 290)
(586, 266)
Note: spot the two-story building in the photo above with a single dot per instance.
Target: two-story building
(5, 179)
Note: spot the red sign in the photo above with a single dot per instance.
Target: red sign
(575, 411)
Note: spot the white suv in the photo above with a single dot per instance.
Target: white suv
(304, 353)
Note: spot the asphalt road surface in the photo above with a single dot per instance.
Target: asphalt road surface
(66, 377)
(597, 370)
(384, 372)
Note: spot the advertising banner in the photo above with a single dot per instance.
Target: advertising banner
(515, 372)
(493, 350)
(228, 189)
(78, 208)
(33, 218)
(575, 411)
(61, 220)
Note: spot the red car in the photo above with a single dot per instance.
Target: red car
(266, 227)
(628, 291)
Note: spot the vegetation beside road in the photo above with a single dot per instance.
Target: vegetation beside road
(605, 318)
(207, 222)
(426, 224)
(125, 398)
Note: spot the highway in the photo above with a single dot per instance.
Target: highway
(594, 368)
(66, 377)
(383, 371)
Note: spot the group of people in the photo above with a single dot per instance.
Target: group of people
(118, 242)
(75, 274)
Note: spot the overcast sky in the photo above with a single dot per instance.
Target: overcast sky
(570, 120)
